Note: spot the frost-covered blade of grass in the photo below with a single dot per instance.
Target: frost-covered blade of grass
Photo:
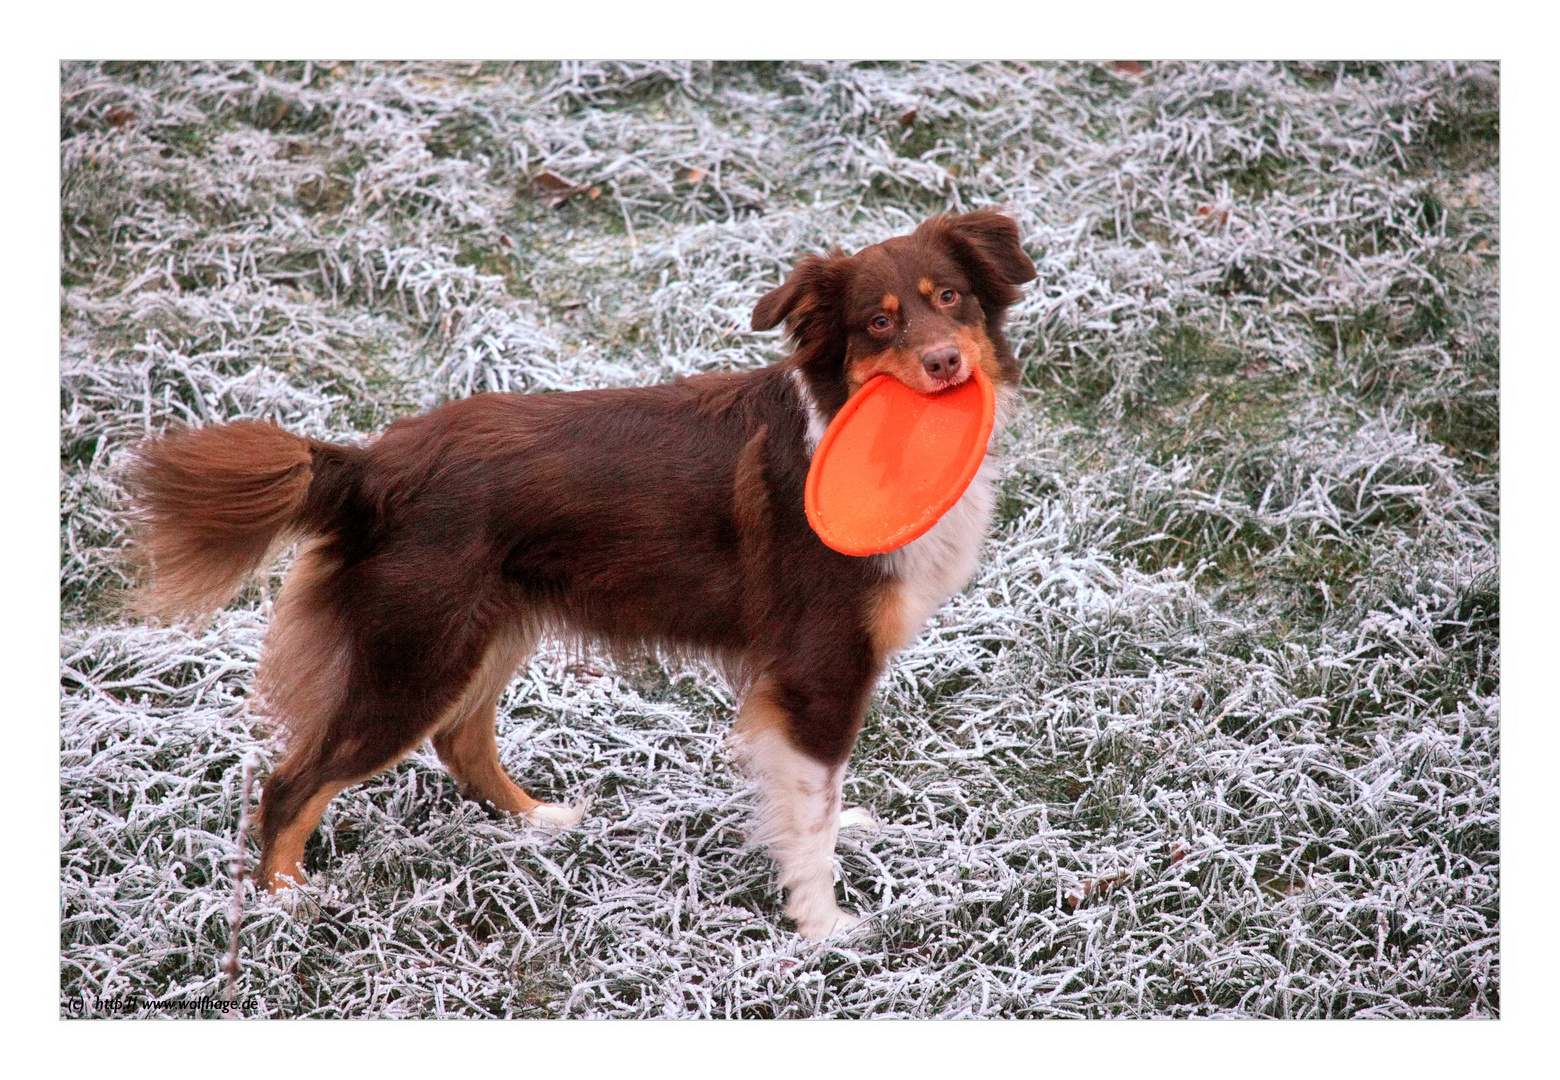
(1215, 730)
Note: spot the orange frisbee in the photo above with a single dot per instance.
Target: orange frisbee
(894, 460)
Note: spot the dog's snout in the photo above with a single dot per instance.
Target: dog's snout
(941, 362)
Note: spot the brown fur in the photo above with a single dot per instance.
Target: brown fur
(663, 517)
(219, 498)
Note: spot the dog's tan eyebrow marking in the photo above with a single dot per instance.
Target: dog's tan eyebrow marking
(891, 303)
(926, 286)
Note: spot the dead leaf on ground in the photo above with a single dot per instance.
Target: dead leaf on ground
(1090, 888)
(559, 189)
(552, 182)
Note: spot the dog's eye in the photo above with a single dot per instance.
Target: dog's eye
(880, 322)
(948, 296)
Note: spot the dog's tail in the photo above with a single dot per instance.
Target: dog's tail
(210, 505)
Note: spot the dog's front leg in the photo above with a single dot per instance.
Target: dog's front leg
(799, 813)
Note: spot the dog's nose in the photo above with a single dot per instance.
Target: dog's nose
(942, 362)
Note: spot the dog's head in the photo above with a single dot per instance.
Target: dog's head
(923, 308)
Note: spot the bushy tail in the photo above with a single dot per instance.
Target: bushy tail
(211, 503)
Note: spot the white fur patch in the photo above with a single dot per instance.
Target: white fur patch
(554, 815)
(941, 561)
(799, 820)
(815, 422)
(858, 817)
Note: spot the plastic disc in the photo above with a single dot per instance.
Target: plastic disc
(894, 460)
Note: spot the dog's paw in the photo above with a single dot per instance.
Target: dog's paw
(844, 923)
(817, 925)
(554, 815)
(858, 817)
(289, 899)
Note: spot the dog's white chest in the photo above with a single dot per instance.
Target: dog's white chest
(940, 562)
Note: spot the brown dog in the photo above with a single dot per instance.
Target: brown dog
(665, 517)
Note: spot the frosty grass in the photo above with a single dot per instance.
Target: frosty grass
(1213, 732)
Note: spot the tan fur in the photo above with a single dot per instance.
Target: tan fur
(286, 853)
(926, 286)
(889, 622)
(901, 364)
(304, 661)
(466, 737)
(974, 344)
(891, 303)
(759, 712)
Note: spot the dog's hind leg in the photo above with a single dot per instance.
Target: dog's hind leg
(347, 750)
(467, 744)
(361, 665)
(293, 801)
(312, 681)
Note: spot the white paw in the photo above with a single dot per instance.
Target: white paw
(290, 899)
(817, 925)
(859, 817)
(554, 815)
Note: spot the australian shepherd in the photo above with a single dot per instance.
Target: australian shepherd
(665, 518)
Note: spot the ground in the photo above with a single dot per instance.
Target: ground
(1214, 731)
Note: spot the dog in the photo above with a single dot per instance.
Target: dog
(666, 518)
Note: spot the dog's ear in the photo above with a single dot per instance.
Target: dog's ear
(810, 285)
(986, 244)
(774, 305)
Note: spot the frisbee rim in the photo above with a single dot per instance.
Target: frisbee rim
(841, 419)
